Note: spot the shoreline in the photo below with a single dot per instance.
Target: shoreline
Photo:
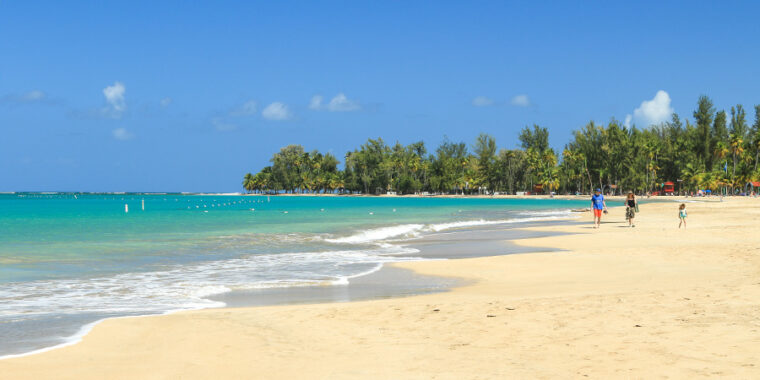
(640, 308)
(373, 284)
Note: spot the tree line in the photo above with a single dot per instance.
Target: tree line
(718, 151)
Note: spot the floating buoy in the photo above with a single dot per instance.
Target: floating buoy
(126, 207)
(143, 204)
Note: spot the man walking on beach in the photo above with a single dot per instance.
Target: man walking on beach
(597, 205)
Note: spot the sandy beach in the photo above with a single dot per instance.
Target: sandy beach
(646, 302)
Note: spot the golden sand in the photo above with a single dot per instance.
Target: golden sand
(646, 302)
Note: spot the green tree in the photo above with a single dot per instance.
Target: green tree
(485, 151)
(704, 117)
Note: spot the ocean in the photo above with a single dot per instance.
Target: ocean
(68, 260)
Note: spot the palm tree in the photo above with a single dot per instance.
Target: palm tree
(248, 182)
(737, 148)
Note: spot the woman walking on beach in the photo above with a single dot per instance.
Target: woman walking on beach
(597, 205)
(631, 206)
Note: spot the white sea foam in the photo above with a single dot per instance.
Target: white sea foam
(186, 286)
(380, 234)
(405, 231)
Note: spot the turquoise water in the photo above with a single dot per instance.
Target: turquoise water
(67, 256)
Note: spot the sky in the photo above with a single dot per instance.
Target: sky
(190, 96)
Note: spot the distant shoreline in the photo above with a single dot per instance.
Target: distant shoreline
(453, 196)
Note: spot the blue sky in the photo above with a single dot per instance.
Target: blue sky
(189, 96)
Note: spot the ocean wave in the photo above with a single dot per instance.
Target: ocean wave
(188, 286)
(382, 233)
(407, 231)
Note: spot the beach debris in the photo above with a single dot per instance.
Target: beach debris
(637, 326)
(436, 309)
(509, 308)
(490, 315)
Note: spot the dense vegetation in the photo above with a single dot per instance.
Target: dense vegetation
(718, 152)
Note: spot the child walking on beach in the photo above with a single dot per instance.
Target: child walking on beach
(682, 215)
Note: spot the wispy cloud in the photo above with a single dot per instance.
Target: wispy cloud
(340, 103)
(34, 96)
(114, 95)
(248, 108)
(122, 134)
(165, 102)
(653, 111)
(521, 100)
(628, 119)
(482, 101)
(223, 126)
(316, 102)
(276, 111)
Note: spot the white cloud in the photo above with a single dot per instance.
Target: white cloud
(628, 119)
(316, 102)
(122, 134)
(340, 103)
(276, 111)
(115, 98)
(654, 111)
(521, 100)
(248, 108)
(482, 101)
(165, 102)
(221, 125)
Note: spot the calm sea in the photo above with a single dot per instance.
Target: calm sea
(67, 260)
